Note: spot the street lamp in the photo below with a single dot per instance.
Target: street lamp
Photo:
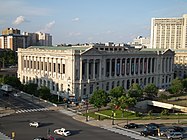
(113, 115)
(86, 107)
(58, 96)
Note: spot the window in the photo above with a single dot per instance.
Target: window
(63, 68)
(58, 68)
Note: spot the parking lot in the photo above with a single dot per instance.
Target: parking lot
(162, 128)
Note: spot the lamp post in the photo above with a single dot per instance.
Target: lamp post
(113, 115)
(86, 107)
(58, 96)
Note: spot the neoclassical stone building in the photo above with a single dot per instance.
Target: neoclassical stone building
(76, 71)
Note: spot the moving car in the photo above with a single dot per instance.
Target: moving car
(131, 125)
(40, 138)
(34, 124)
(62, 131)
(174, 135)
(17, 94)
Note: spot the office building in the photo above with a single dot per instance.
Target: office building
(13, 39)
(169, 33)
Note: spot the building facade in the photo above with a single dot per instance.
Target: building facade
(180, 63)
(141, 42)
(169, 33)
(77, 71)
(13, 39)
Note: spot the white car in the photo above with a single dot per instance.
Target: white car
(17, 94)
(62, 131)
(35, 124)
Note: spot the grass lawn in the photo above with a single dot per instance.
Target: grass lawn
(107, 114)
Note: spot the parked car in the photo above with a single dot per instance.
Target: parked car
(166, 131)
(131, 125)
(174, 135)
(152, 126)
(178, 128)
(34, 124)
(62, 131)
(149, 132)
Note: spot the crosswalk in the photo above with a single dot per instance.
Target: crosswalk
(4, 137)
(31, 110)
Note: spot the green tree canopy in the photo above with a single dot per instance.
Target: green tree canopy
(135, 91)
(176, 86)
(116, 92)
(126, 102)
(151, 90)
(44, 93)
(114, 95)
(31, 88)
(184, 82)
(99, 98)
(13, 81)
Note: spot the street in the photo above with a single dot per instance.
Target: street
(51, 120)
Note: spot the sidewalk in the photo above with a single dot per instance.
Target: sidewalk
(121, 123)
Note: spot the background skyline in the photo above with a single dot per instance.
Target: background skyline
(81, 21)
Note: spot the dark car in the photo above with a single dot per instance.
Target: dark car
(149, 132)
(152, 126)
(178, 128)
(131, 125)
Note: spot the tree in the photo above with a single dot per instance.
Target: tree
(99, 98)
(8, 57)
(184, 83)
(135, 91)
(13, 81)
(126, 102)
(31, 88)
(176, 86)
(151, 90)
(114, 95)
(44, 93)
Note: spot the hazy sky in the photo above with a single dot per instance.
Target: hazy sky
(84, 21)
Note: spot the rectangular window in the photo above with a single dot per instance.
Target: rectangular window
(63, 68)
(58, 68)
(46, 66)
(42, 65)
(54, 69)
(34, 64)
(49, 66)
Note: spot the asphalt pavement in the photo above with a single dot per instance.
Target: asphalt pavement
(107, 123)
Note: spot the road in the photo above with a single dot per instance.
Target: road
(51, 120)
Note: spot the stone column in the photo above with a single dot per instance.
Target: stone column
(143, 63)
(100, 69)
(151, 59)
(80, 70)
(130, 63)
(110, 70)
(120, 67)
(87, 69)
(93, 68)
(139, 66)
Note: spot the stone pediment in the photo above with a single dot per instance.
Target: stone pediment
(168, 52)
(91, 51)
